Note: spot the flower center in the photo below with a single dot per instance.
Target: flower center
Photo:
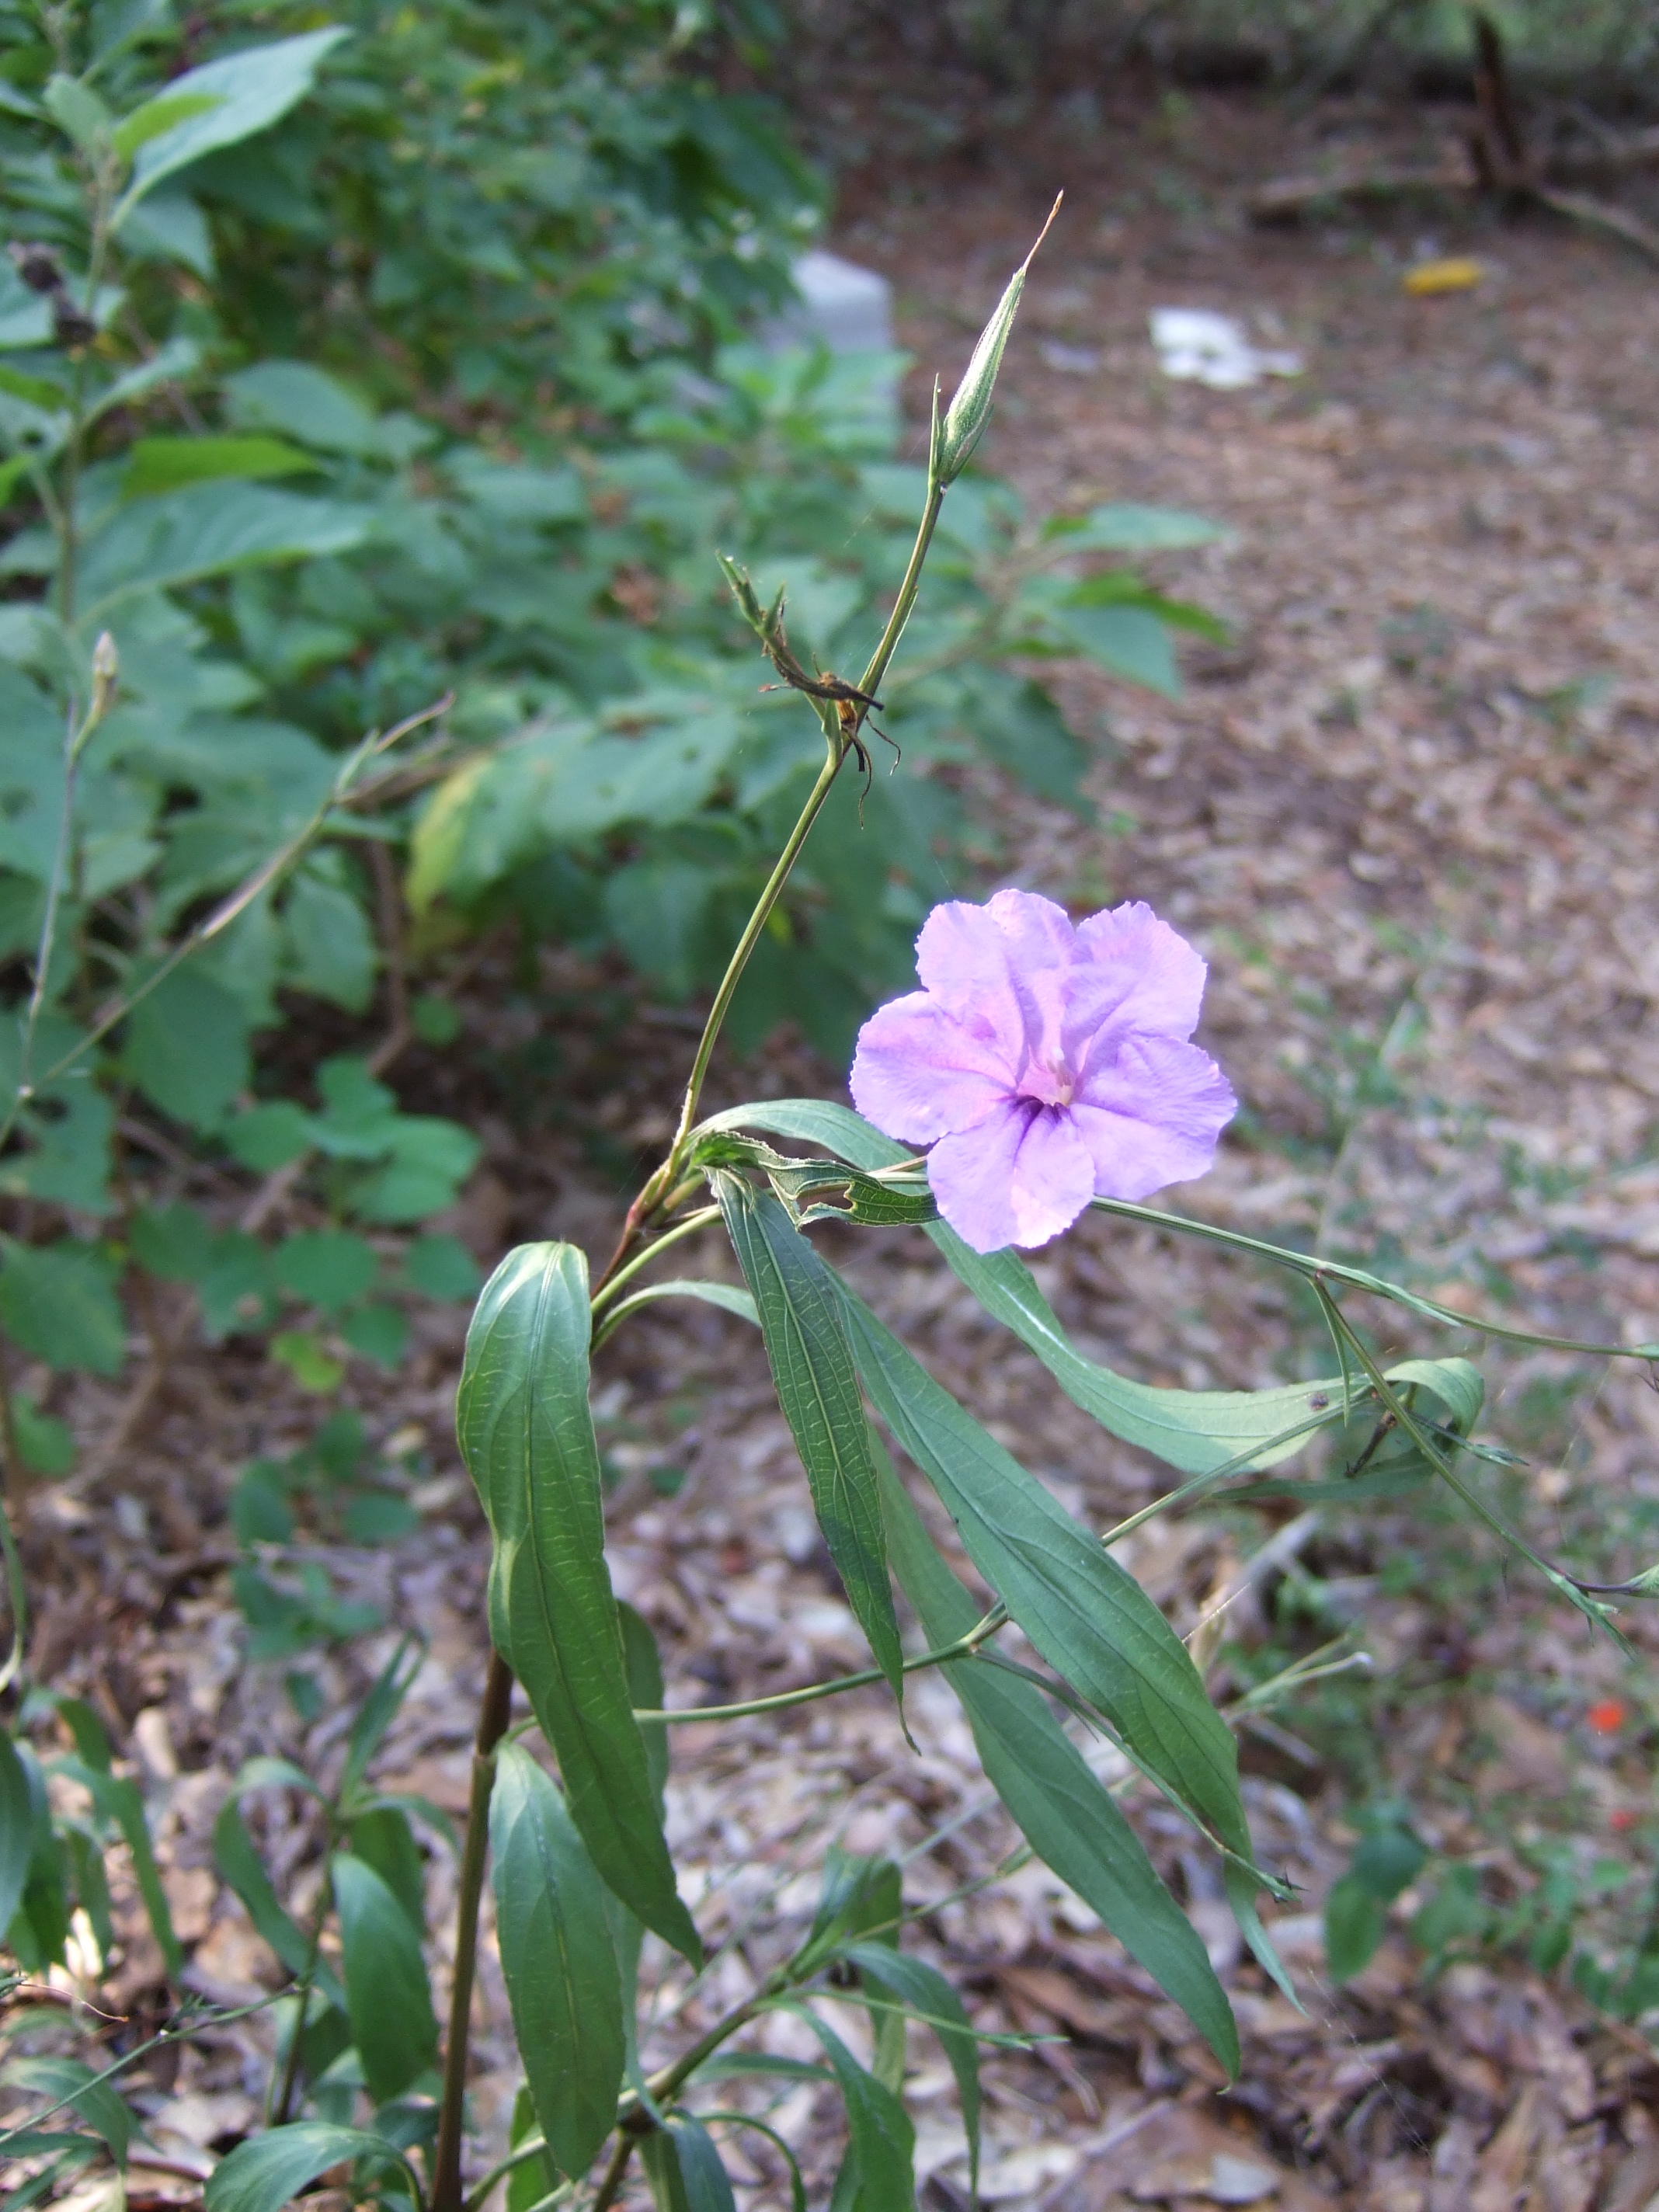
(1049, 1085)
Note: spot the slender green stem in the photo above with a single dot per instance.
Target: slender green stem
(612, 2181)
(745, 945)
(283, 2106)
(492, 1726)
(16, 1597)
(520, 2155)
(964, 1648)
(688, 1227)
(908, 590)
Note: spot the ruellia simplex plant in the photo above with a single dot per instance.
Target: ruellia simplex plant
(1048, 1068)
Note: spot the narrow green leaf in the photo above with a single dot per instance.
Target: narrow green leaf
(557, 1954)
(16, 1830)
(913, 1982)
(883, 2140)
(378, 1712)
(382, 1839)
(1090, 1620)
(92, 2100)
(812, 1367)
(268, 2172)
(1055, 1799)
(239, 1863)
(726, 1296)
(117, 1798)
(527, 1438)
(684, 2169)
(388, 1998)
(1195, 1431)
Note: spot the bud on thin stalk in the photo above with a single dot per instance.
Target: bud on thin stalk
(970, 410)
(105, 674)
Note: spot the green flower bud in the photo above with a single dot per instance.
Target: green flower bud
(971, 410)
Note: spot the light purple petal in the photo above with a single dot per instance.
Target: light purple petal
(1000, 968)
(919, 1072)
(1133, 973)
(1152, 1117)
(1020, 1177)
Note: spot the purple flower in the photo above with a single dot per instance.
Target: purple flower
(1046, 1064)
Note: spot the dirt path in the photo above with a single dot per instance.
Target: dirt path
(1410, 815)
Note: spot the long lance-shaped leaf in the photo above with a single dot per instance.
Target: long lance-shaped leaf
(1090, 1618)
(527, 1438)
(839, 1130)
(805, 1335)
(557, 1954)
(1196, 1431)
(1055, 1799)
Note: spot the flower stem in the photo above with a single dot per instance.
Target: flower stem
(746, 944)
(492, 1726)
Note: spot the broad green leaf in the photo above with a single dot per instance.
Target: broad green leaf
(811, 1364)
(1090, 1620)
(39, 1927)
(268, 2172)
(92, 2100)
(186, 1048)
(913, 1983)
(243, 94)
(440, 1267)
(208, 530)
(174, 1241)
(387, 1996)
(1128, 529)
(526, 1435)
(164, 111)
(1069, 1818)
(16, 1829)
(59, 1302)
(557, 1954)
(326, 1267)
(162, 464)
(306, 402)
(77, 110)
(1125, 641)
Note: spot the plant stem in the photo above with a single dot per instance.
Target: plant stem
(964, 1648)
(688, 1227)
(745, 945)
(284, 2105)
(492, 1726)
(611, 2180)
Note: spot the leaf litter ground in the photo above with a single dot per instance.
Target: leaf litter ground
(1409, 815)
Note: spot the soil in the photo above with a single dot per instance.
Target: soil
(1408, 812)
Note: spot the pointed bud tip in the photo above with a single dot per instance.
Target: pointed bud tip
(970, 409)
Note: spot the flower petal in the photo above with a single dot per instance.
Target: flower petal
(1020, 1177)
(1152, 1116)
(1000, 967)
(1133, 973)
(919, 1072)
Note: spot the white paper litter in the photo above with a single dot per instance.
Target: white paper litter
(1200, 347)
(849, 309)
